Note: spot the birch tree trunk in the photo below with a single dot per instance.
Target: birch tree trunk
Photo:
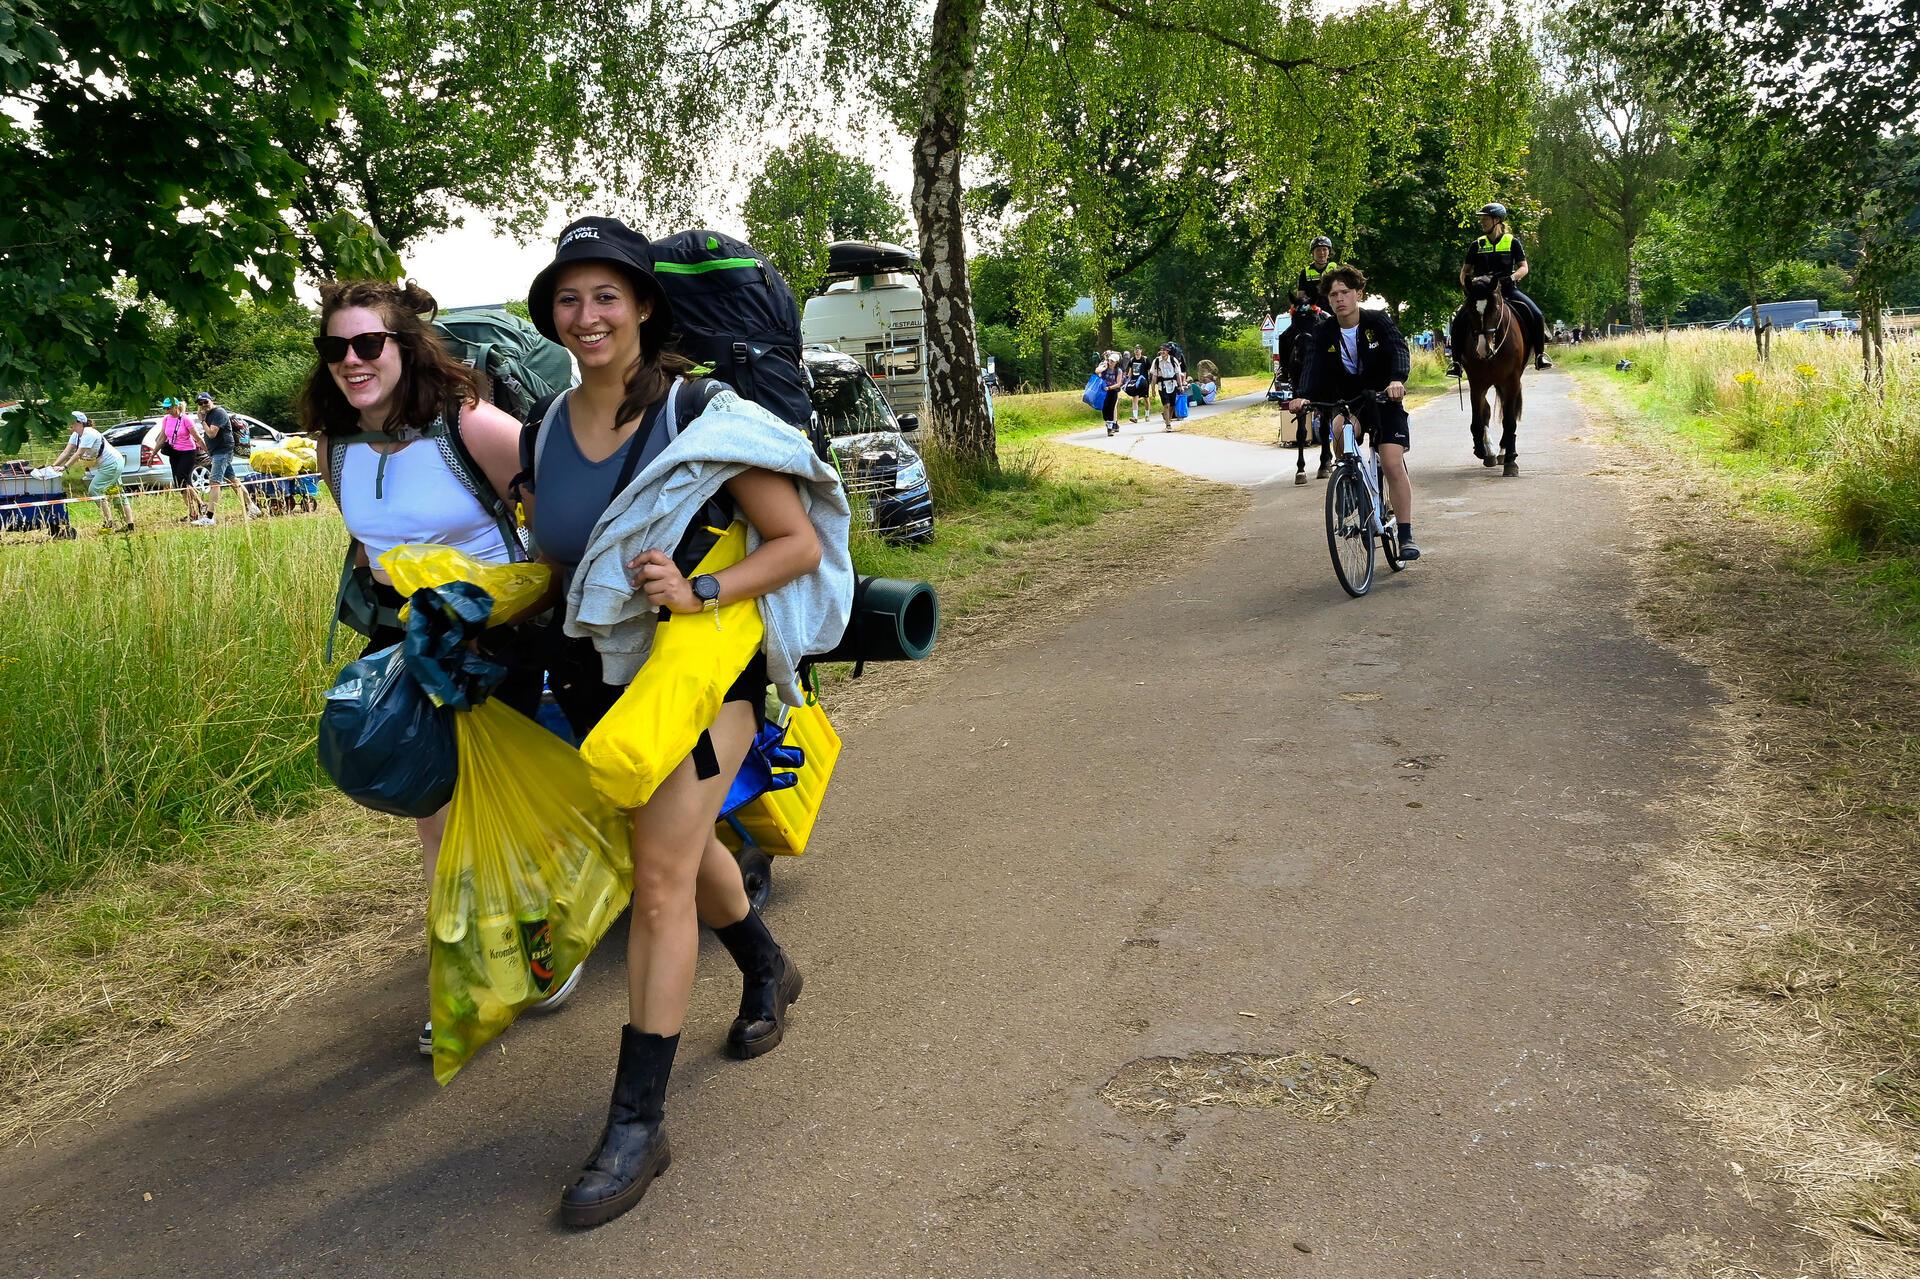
(956, 400)
(1636, 308)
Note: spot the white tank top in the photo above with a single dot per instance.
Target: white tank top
(419, 499)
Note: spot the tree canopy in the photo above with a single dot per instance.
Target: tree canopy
(808, 196)
(131, 151)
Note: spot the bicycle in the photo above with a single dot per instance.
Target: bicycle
(1359, 509)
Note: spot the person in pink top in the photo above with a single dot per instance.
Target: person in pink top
(178, 436)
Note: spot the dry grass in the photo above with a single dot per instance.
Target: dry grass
(141, 967)
(146, 965)
(1797, 887)
(1304, 1085)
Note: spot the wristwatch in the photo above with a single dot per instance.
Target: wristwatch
(706, 589)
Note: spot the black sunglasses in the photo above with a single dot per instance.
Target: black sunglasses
(365, 345)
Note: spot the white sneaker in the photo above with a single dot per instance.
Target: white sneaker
(254, 512)
(425, 1042)
(564, 991)
(205, 521)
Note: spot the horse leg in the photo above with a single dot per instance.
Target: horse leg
(1481, 417)
(1510, 425)
(1300, 448)
(1326, 451)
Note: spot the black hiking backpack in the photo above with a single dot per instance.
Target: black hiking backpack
(733, 313)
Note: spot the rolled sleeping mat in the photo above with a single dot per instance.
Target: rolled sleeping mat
(894, 620)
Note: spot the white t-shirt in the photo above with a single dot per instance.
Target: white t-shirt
(87, 439)
(1350, 347)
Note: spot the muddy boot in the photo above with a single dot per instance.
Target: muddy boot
(769, 982)
(633, 1150)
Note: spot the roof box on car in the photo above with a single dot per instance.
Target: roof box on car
(847, 258)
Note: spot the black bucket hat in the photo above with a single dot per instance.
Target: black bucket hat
(603, 240)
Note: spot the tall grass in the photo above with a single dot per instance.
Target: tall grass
(153, 688)
(1806, 410)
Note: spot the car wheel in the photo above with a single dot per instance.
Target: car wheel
(202, 477)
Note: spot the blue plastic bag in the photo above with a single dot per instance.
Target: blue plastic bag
(383, 741)
(1179, 406)
(1096, 393)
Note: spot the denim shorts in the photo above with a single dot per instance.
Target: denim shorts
(219, 467)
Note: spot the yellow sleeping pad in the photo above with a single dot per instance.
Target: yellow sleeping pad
(781, 821)
(676, 696)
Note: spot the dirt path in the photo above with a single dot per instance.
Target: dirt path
(1239, 813)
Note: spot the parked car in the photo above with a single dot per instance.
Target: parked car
(1780, 314)
(874, 448)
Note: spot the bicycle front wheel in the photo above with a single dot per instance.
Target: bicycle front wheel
(1349, 537)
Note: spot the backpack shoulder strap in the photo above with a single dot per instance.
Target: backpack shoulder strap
(476, 482)
(533, 440)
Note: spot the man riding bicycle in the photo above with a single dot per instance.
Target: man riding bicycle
(1352, 351)
(1497, 253)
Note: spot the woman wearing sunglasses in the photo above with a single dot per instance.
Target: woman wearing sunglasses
(618, 461)
(412, 454)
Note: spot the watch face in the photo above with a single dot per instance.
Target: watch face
(706, 587)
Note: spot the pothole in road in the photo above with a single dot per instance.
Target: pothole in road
(1305, 1085)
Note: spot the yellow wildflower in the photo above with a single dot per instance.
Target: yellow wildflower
(1805, 370)
(1745, 377)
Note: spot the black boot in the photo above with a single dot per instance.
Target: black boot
(633, 1150)
(770, 981)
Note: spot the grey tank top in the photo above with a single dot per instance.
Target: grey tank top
(573, 493)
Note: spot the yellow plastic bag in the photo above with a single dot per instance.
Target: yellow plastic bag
(781, 821)
(534, 866)
(514, 587)
(271, 461)
(676, 696)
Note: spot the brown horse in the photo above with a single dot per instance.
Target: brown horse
(1492, 348)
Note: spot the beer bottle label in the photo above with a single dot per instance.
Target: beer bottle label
(536, 936)
(506, 963)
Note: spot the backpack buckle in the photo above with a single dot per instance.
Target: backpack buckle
(739, 352)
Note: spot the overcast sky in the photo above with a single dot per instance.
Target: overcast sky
(473, 265)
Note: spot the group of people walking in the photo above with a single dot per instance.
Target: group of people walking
(189, 438)
(1140, 379)
(415, 454)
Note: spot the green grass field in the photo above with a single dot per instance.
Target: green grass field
(1803, 430)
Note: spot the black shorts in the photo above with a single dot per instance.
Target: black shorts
(182, 464)
(1168, 397)
(520, 689)
(573, 674)
(1387, 424)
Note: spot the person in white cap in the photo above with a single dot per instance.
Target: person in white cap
(104, 466)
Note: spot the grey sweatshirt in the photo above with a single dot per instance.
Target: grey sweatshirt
(807, 615)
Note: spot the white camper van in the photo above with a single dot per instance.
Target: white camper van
(871, 310)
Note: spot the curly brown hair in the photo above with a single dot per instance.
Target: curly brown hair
(1351, 276)
(431, 380)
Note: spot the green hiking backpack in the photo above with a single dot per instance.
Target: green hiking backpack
(520, 366)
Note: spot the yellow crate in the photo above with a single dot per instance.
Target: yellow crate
(781, 820)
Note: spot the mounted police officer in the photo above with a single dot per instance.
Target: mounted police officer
(1312, 283)
(1497, 253)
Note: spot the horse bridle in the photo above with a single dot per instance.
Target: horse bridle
(1492, 330)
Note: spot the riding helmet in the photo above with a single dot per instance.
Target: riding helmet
(1494, 211)
(1320, 242)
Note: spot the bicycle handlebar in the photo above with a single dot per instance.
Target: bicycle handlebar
(1341, 406)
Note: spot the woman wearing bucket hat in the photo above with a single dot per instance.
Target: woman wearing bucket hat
(394, 414)
(600, 300)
